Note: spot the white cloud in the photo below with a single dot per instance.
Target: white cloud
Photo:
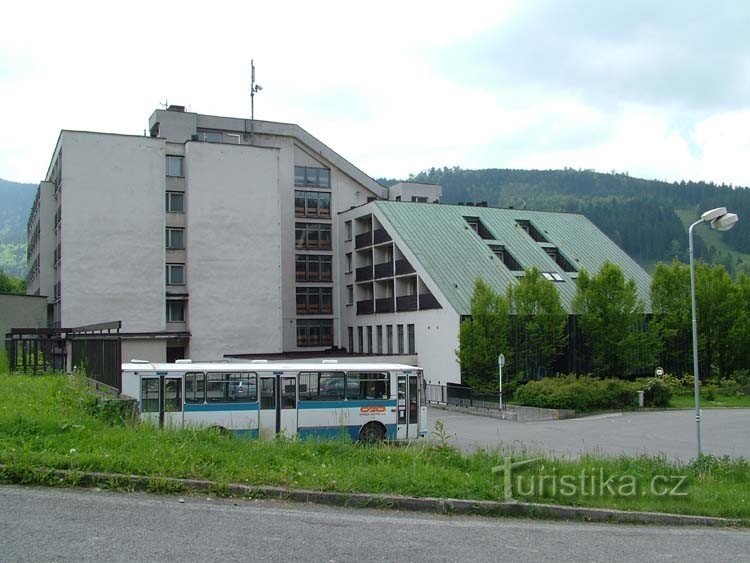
(367, 80)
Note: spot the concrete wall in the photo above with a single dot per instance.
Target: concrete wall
(407, 190)
(150, 349)
(234, 250)
(21, 311)
(112, 265)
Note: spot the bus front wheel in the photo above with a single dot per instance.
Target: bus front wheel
(372, 432)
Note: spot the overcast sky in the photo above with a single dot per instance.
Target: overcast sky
(660, 89)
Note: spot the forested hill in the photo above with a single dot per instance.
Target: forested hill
(15, 203)
(647, 218)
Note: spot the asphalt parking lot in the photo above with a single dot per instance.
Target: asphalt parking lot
(669, 433)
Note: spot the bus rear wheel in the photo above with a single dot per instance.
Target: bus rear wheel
(372, 433)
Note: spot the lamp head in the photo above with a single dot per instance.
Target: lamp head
(725, 222)
(709, 216)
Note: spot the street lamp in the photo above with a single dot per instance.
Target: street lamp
(721, 221)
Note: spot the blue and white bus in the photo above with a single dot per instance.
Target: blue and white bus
(368, 402)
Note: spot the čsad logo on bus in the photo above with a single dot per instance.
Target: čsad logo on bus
(371, 410)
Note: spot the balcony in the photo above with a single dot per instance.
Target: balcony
(384, 270)
(428, 301)
(380, 236)
(364, 273)
(403, 267)
(365, 307)
(384, 305)
(406, 303)
(365, 239)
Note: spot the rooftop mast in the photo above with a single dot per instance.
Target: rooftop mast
(253, 89)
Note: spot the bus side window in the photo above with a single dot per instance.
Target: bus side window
(195, 388)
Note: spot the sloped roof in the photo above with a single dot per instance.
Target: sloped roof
(454, 255)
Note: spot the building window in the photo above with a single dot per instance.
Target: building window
(175, 239)
(313, 267)
(312, 204)
(314, 300)
(389, 338)
(349, 263)
(400, 339)
(476, 225)
(418, 199)
(175, 311)
(314, 332)
(175, 202)
(531, 230)
(175, 165)
(351, 339)
(175, 274)
(380, 339)
(412, 343)
(211, 136)
(350, 295)
(312, 177)
(560, 260)
(360, 340)
(312, 236)
(369, 340)
(552, 276)
(506, 257)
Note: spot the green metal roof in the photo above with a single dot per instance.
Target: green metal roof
(454, 255)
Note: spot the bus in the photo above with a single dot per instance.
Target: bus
(369, 402)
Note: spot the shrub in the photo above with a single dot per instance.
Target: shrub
(583, 393)
(656, 393)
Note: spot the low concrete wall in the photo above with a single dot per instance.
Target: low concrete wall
(513, 412)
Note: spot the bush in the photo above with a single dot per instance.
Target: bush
(583, 393)
(656, 393)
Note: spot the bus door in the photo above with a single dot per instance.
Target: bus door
(161, 400)
(278, 405)
(407, 405)
(423, 430)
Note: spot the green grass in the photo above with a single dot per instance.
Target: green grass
(688, 401)
(47, 422)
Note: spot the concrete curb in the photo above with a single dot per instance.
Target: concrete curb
(359, 500)
(513, 413)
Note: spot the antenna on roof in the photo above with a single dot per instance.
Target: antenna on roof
(254, 88)
(165, 103)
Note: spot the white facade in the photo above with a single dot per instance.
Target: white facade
(387, 294)
(195, 237)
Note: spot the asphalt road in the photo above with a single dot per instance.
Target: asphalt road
(671, 433)
(86, 525)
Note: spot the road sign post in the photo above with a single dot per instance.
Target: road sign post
(500, 364)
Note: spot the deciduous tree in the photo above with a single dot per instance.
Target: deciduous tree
(612, 320)
(483, 337)
(538, 323)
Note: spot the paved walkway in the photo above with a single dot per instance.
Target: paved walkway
(671, 433)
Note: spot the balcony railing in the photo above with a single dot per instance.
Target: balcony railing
(365, 307)
(365, 239)
(380, 235)
(364, 273)
(384, 305)
(406, 303)
(384, 270)
(403, 267)
(428, 301)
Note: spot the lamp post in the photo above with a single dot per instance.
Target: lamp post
(721, 221)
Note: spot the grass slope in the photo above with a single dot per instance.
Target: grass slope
(48, 422)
